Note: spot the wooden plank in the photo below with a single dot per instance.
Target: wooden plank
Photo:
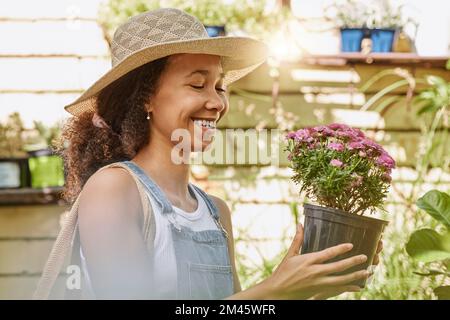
(318, 109)
(50, 74)
(51, 9)
(47, 108)
(30, 221)
(53, 37)
(31, 196)
(22, 288)
(292, 77)
(24, 256)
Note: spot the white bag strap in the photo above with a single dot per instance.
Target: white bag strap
(64, 241)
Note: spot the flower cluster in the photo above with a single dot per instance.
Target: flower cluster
(339, 167)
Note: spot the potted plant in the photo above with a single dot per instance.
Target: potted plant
(46, 168)
(351, 18)
(346, 175)
(13, 158)
(432, 246)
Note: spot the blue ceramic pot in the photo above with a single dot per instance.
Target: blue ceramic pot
(215, 31)
(382, 39)
(351, 39)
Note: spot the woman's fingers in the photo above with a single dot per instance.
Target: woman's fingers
(297, 242)
(341, 265)
(344, 279)
(379, 247)
(330, 253)
(376, 260)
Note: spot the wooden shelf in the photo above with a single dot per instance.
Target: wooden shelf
(391, 58)
(31, 196)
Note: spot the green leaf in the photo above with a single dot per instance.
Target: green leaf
(442, 292)
(427, 245)
(436, 81)
(432, 273)
(437, 205)
(427, 108)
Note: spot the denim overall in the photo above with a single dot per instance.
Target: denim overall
(203, 264)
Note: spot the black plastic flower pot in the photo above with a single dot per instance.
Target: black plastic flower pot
(14, 173)
(327, 227)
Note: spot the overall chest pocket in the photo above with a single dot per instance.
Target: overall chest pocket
(210, 281)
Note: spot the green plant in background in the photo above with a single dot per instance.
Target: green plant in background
(43, 136)
(249, 17)
(385, 15)
(348, 13)
(432, 246)
(395, 277)
(12, 138)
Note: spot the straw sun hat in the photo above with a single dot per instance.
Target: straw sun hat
(155, 34)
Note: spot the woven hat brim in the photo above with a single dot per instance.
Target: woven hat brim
(240, 56)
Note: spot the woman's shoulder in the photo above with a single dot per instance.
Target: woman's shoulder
(222, 206)
(112, 179)
(110, 190)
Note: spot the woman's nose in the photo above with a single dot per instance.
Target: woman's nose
(216, 101)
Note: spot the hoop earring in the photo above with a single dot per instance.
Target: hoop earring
(148, 115)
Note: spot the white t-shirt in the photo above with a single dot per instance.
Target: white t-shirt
(165, 268)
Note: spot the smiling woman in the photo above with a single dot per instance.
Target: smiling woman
(145, 231)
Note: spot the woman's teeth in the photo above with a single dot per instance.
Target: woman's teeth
(205, 123)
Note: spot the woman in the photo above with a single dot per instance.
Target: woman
(168, 75)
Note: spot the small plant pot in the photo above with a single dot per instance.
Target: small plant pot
(382, 39)
(351, 39)
(215, 31)
(14, 173)
(326, 227)
(46, 169)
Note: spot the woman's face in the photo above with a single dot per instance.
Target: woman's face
(190, 96)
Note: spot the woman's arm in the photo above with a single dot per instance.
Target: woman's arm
(110, 220)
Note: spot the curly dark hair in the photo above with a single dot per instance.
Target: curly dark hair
(85, 148)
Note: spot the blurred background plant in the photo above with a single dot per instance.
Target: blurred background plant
(240, 17)
(397, 279)
(432, 246)
(12, 138)
(16, 140)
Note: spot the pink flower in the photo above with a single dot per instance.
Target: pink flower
(355, 145)
(290, 135)
(336, 146)
(362, 154)
(359, 133)
(336, 163)
(386, 161)
(302, 134)
(371, 144)
(338, 127)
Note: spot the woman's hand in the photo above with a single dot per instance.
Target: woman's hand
(307, 276)
(376, 259)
